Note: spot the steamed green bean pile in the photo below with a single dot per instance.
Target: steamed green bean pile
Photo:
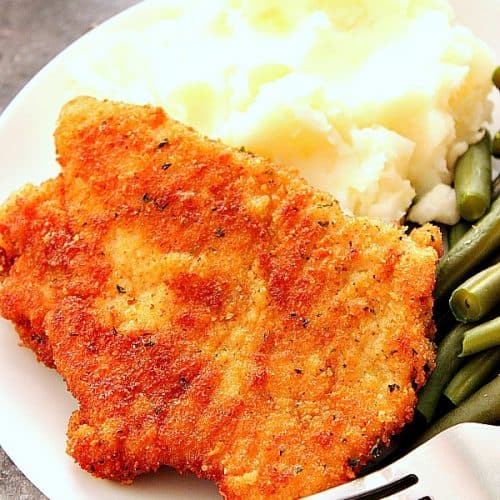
(467, 373)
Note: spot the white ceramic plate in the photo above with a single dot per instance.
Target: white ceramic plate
(34, 403)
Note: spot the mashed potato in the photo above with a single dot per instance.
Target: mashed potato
(372, 101)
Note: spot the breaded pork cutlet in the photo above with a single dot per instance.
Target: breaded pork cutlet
(210, 310)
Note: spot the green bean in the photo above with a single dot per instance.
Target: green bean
(473, 180)
(447, 364)
(456, 232)
(496, 77)
(482, 406)
(495, 145)
(481, 337)
(475, 298)
(495, 187)
(479, 243)
(473, 375)
(494, 260)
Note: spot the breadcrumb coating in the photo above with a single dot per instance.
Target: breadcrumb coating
(210, 310)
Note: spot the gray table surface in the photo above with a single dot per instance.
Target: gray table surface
(32, 32)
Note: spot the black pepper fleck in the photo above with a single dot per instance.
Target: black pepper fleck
(121, 289)
(219, 232)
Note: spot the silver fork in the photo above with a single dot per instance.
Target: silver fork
(461, 463)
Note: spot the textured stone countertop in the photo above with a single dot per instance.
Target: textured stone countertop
(32, 32)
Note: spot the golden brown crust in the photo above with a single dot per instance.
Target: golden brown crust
(211, 311)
